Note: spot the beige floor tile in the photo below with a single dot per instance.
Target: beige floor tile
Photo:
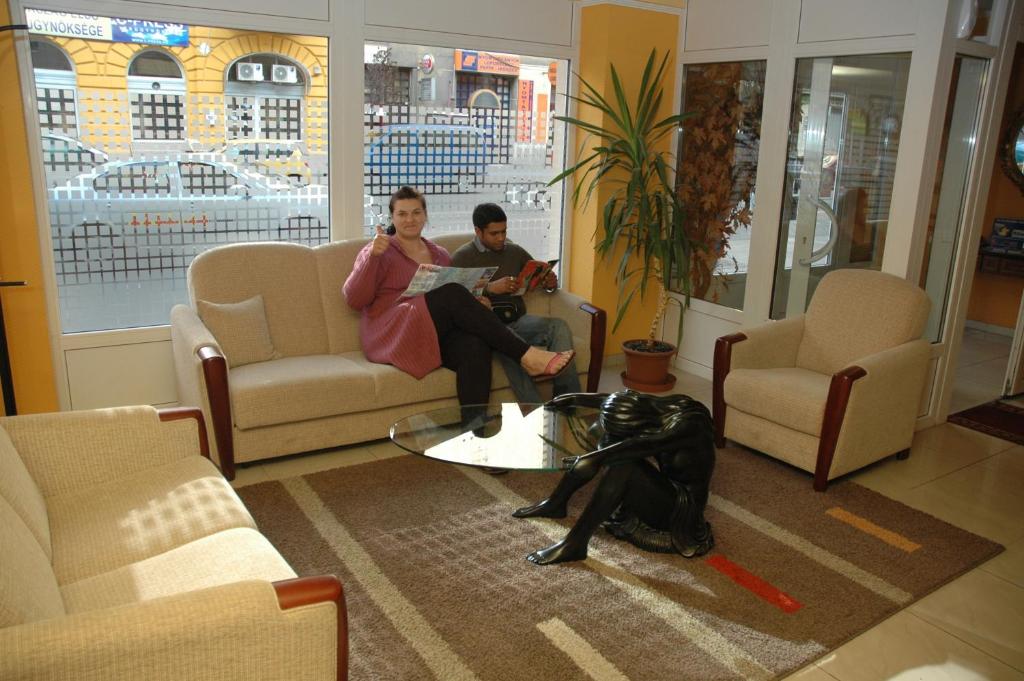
(951, 437)
(905, 648)
(982, 610)
(985, 497)
(892, 476)
(989, 373)
(249, 475)
(810, 673)
(979, 346)
(321, 461)
(1009, 564)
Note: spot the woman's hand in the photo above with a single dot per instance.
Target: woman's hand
(505, 285)
(485, 301)
(380, 242)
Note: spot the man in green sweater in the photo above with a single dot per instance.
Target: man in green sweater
(491, 248)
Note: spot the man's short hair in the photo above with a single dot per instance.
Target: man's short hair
(486, 213)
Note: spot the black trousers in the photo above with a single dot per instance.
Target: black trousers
(467, 333)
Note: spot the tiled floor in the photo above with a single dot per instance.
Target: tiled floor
(972, 628)
(980, 369)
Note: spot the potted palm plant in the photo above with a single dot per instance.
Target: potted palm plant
(642, 218)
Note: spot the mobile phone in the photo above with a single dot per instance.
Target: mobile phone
(390, 231)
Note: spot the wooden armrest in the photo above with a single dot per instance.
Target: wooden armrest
(598, 324)
(215, 373)
(723, 360)
(176, 413)
(294, 593)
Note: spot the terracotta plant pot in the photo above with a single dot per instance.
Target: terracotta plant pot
(647, 371)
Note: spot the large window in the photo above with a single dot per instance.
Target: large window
(476, 127)
(152, 173)
(717, 170)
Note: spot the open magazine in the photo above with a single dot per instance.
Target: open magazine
(533, 274)
(429, 277)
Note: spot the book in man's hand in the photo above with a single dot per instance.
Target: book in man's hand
(429, 277)
(533, 274)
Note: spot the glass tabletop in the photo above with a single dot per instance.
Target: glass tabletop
(510, 435)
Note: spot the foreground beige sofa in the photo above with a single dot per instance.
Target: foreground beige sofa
(124, 554)
(303, 383)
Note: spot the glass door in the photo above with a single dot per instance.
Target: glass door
(845, 122)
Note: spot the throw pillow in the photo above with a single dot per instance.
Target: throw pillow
(240, 329)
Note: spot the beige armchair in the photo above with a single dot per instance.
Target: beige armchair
(835, 389)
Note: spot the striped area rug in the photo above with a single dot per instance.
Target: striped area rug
(438, 586)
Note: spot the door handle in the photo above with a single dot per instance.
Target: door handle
(833, 237)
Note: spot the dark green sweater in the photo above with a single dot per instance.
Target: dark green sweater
(509, 261)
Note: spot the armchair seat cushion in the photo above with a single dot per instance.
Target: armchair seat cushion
(222, 558)
(138, 516)
(790, 396)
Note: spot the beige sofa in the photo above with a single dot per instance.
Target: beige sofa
(124, 554)
(300, 382)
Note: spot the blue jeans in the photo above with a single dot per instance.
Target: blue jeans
(549, 333)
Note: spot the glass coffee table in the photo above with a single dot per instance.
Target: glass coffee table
(510, 435)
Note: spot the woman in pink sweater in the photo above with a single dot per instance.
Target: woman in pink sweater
(444, 327)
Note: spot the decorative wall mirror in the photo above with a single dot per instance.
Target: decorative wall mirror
(1012, 150)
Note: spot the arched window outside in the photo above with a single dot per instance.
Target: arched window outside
(55, 88)
(484, 99)
(263, 96)
(156, 90)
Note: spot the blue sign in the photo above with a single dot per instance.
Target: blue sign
(148, 32)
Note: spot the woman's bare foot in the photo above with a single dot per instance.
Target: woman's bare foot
(539, 362)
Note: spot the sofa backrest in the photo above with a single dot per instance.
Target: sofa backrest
(284, 274)
(28, 586)
(334, 262)
(855, 313)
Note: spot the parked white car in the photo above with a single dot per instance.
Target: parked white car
(147, 219)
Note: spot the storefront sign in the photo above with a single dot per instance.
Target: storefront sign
(105, 28)
(486, 62)
(427, 63)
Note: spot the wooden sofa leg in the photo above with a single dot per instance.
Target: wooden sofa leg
(215, 373)
(293, 593)
(903, 454)
(723, 361)
(598, 322)
(832, 423)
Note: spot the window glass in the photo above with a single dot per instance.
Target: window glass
(148, 168)
(470, 127)
(717, 171)
(844, 137)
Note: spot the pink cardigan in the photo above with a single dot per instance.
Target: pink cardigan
(394, 330)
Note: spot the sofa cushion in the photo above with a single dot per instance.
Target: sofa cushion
(112, 524)
(229, 556)
(19, 490)
(791, 397)
(28, 587)
(294, 389)
(240, 329)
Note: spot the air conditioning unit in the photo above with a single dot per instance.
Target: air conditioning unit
(282, 73)
(249, 71)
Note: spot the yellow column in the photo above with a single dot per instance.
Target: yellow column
(623, 36)
(28, 337)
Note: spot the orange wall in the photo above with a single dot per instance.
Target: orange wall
(24, 308)
(995, 298)
(623, 36)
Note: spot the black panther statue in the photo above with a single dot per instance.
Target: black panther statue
(655, 507)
